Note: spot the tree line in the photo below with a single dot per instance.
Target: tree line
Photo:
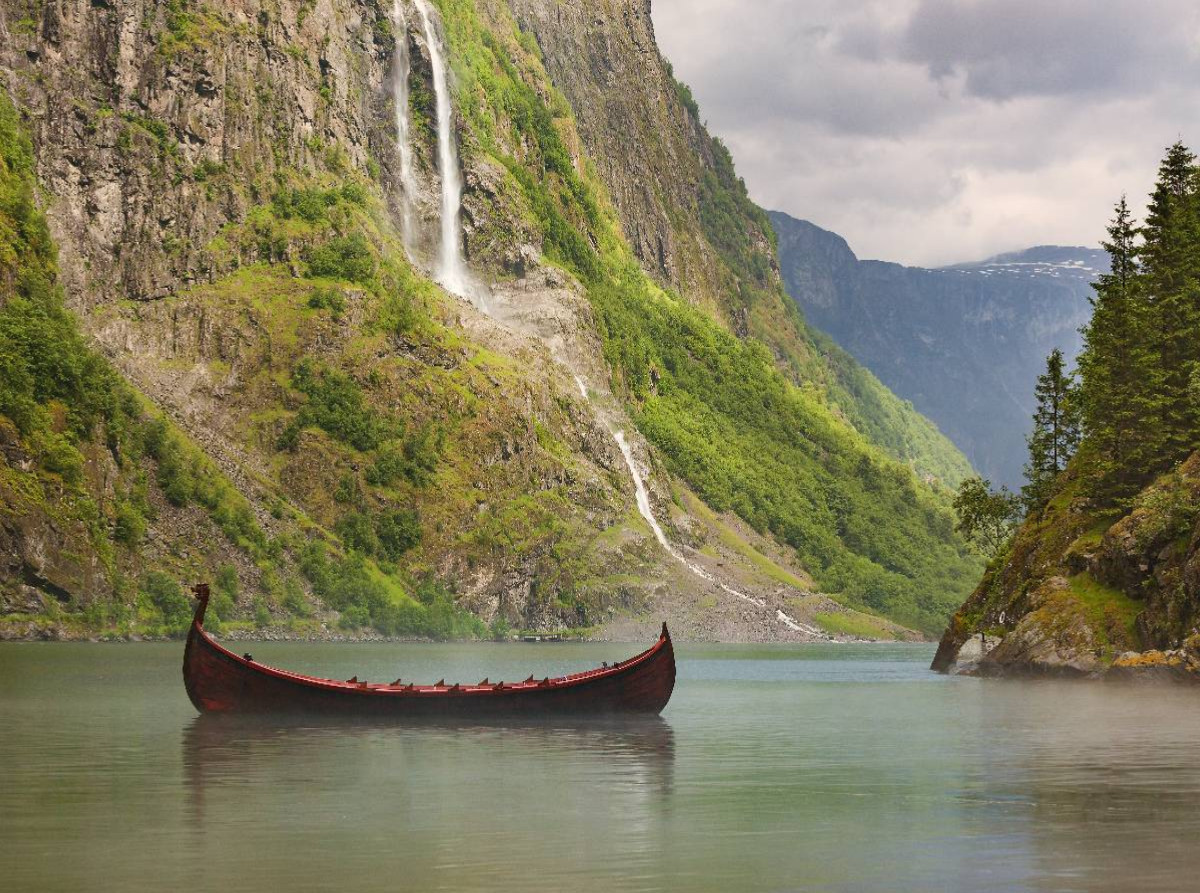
(1131, 410)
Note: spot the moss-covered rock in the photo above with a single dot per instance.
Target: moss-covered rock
(1089, 592)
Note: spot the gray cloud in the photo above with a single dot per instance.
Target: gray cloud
(930, 131)
(1010, 48)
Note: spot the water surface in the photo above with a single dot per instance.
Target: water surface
(840, 768)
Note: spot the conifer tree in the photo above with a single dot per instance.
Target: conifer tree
(1056, 430)
(1121, 393)
(1171, 282)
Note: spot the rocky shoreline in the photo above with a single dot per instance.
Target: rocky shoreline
(1088, 591)
(990, 659)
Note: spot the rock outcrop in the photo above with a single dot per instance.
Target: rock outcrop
(1082, 592)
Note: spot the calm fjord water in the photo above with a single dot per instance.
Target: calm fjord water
(841, 768)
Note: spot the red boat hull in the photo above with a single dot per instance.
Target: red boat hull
(219, 681)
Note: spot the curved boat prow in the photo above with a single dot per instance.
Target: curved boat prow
(195, 639)
(219, 681)
(200, 590)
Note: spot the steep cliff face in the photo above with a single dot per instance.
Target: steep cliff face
(687, 215)
(174, 115)
(964, 343)
(166, 136)
(1087, 593)
(604, 60)
(224, 184)
(647, 146)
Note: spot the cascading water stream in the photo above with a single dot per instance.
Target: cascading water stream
(643, 497)
(401, 64)
(452, 273)
(647, 512)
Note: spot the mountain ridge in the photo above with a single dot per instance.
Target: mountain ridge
(963, 343)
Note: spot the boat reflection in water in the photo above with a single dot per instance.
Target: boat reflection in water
(432, 785)
(398, 773)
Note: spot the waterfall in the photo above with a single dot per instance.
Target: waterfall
(451, 272)
(647, 512)
(643, 498)
(400, 70)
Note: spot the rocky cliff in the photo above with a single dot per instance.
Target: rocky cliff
(315, 423)
(964, 343)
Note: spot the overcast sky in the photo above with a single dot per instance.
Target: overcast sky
(935, 131)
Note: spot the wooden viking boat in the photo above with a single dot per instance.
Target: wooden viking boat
(219, 681)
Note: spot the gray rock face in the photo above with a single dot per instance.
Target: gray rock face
(965, 344)
(157, 110)
(647, 148)
(1036, 648)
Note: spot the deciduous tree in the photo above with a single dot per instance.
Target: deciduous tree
(986, 518)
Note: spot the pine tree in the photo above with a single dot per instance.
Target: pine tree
(1056, 430)
(1171, 281)
(1121, 396)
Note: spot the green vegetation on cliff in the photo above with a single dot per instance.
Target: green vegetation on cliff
(354, 445)
(52, 387)
(66, 409)
(724, 414)
(750, 441)
(743, 238)
(78, 421)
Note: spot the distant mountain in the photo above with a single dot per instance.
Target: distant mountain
(964, 343)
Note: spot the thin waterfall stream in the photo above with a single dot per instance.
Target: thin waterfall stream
(646, 510)
(401, 66)
(452, 272)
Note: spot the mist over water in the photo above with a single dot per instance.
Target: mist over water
(811, 767)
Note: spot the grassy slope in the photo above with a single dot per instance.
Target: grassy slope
(784, 456)
(398, 412)
(93, 464)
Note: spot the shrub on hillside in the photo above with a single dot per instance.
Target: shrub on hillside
(343, 257)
